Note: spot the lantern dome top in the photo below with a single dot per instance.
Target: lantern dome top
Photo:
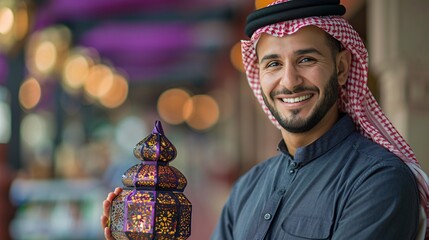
(155, 147)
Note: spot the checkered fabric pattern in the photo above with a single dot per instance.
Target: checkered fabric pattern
(355, 99)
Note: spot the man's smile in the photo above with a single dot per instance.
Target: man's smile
(296, 99)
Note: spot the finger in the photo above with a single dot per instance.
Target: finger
(104, 220)
(114, 194)
(111, 196)
(106, 207)
(118, 190)
(108, 234)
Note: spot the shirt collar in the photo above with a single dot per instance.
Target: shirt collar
(303, 155)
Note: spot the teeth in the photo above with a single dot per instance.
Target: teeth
(297, 99)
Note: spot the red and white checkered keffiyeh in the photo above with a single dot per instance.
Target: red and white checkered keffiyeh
(355, 99)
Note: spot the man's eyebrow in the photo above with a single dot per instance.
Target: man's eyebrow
(269, 57)
(307, 51)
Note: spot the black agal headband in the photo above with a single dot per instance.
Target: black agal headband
(289, 10)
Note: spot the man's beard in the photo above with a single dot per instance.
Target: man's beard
(297, 125)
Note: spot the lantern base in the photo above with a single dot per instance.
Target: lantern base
(145, 214)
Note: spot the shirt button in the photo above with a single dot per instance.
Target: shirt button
(267, 216)
(281, 192)
(292, 171)
(293, 164)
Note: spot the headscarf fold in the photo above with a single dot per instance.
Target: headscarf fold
(355, 99)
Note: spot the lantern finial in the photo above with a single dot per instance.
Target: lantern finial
(158, 128)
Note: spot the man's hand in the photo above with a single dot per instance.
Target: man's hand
(106, 210)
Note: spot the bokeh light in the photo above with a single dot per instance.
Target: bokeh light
(117, 94)
(201, 112)
(236, 58)
(36, 130)
(99, 81)
(171, 105)
(129, 131)
(45, 56)
(47, 51)
(30, 93)
(22, 21)
(14, 24)
(76, 70)
(7, 19)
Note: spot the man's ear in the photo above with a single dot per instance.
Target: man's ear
(344, 60)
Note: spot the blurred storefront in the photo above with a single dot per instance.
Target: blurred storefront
(81, 82)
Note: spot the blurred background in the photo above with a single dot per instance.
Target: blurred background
(81, 82)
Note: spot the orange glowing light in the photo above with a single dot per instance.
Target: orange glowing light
(76, 71)
(171, 104)
(30, 93)
(99, 81)
(117, 94)
(236, 58)
(7, 20)
(201, 112)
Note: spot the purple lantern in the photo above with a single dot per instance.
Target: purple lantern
(152, 204)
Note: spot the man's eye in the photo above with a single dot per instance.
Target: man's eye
(306, 60)
(272, 64)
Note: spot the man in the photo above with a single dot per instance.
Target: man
(338, 174)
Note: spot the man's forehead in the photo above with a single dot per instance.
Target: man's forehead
(305, 35)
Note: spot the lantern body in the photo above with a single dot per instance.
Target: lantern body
(152, 204)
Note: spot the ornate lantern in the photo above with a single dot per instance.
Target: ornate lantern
(152, 204)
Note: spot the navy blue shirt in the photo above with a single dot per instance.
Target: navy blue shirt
(342, 186)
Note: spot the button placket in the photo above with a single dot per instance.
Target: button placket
(268, 214)
(270, 210)
(293, 167)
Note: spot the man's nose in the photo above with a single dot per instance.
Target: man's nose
(291, 77)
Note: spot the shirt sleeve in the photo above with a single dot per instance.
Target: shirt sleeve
(383, 204)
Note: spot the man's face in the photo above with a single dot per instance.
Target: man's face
(298, 78)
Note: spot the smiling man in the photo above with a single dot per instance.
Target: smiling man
(342, 171)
